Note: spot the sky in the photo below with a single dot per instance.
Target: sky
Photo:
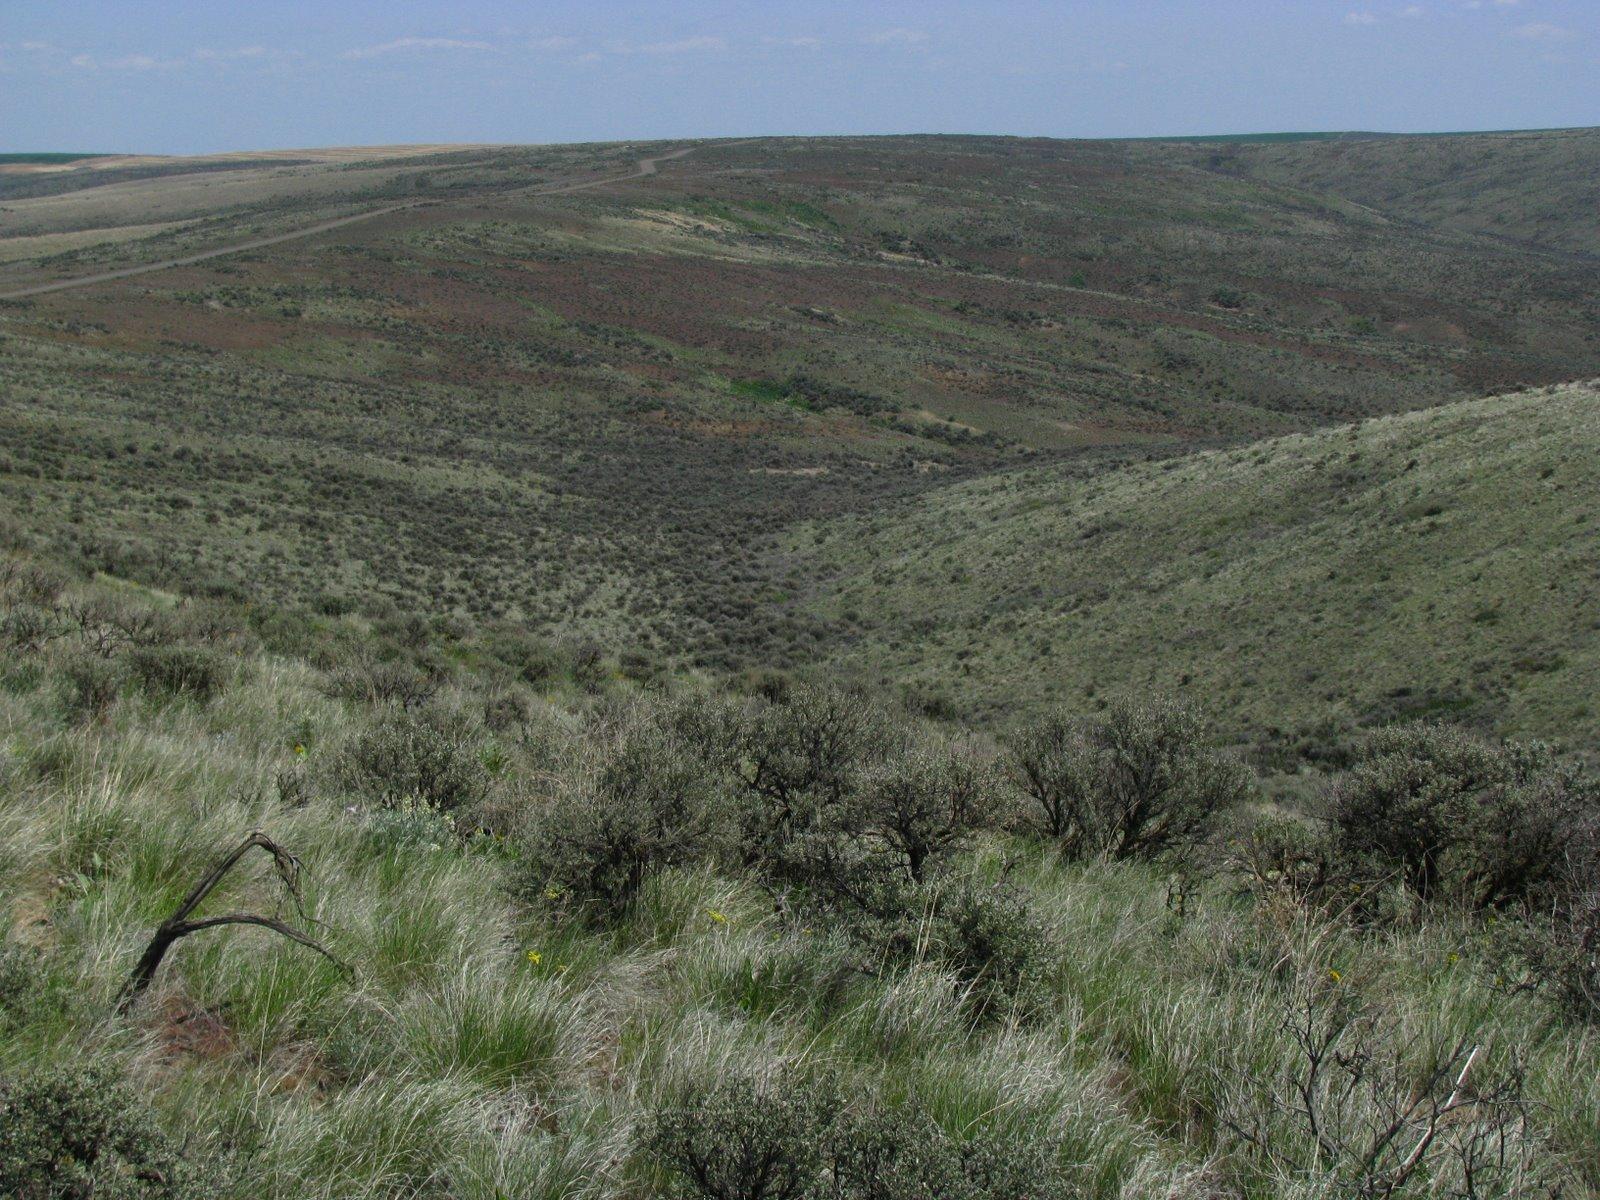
(186, 77)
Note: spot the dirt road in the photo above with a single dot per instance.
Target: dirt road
(647, 166)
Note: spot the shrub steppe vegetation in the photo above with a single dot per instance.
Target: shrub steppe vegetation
(1434, 564)
(620, 415)
(595, 937)
(851, 668)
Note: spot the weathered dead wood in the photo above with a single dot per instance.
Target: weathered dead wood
(180, 925)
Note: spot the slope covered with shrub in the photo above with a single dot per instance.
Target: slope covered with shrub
(597, 414)
(1473, 183)
(590, 937)
(1442, 562)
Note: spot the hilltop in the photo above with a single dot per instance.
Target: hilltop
(1469, 182)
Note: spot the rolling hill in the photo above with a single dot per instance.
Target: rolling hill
(604, 629)
(1469, 182)
(1438, 563)
(619, 415)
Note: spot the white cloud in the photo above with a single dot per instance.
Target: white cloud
(86, 61)
(207, 54)
(1360, 18)
(801, 43)
(553, 43)
(682, 46)
(1542, 31)
(1413, 12)
(416, 43)
(898, 37)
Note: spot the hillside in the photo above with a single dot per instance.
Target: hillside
(1471, 183)
(565, 951)
(600, 414)
(801, 669)
(1433, 563)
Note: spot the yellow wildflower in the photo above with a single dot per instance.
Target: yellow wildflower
(1453, 958)
(535, 957)
(719, 918)
(552, 892)
(1335, 976)
(299, 750)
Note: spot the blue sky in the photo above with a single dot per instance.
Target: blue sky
(182, 76)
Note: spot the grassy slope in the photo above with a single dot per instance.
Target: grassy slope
(602, 415)
(1439, 561)
(452, 1063)
(1467, 182)
(578, 411)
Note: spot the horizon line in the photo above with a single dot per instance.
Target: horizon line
(68, 156)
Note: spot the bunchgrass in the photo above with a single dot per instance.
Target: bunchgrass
(474, 1045)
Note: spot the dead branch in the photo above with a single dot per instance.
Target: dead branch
(180, 925)
(1435, 1119)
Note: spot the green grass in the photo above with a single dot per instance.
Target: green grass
(1425, 565)
(987, 424)
(452, 1059)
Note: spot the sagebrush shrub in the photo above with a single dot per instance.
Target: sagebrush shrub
(27, 626)
(1279, 855)
(534, 660)
(921, 803)
(431, 757)
(787, 1138)
(504, 709)
(802, 766)
(90, 686)
(1135, 782)
(814, 744)
(26, 993)
(69, 1134)
(876, 1151)
(368, 682)
(1560, 940)
(997, 949)
(650, 802)
(587, 663)
(195, 672)
(742, 1140)
(1456, 819)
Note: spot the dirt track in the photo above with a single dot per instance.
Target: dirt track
(647, 166)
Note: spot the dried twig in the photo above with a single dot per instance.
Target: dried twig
(180, 925)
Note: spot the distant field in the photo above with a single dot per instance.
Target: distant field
(621, 415)
(1343, 135)
(47, 158)
(1323, 136)
(1538, 187)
